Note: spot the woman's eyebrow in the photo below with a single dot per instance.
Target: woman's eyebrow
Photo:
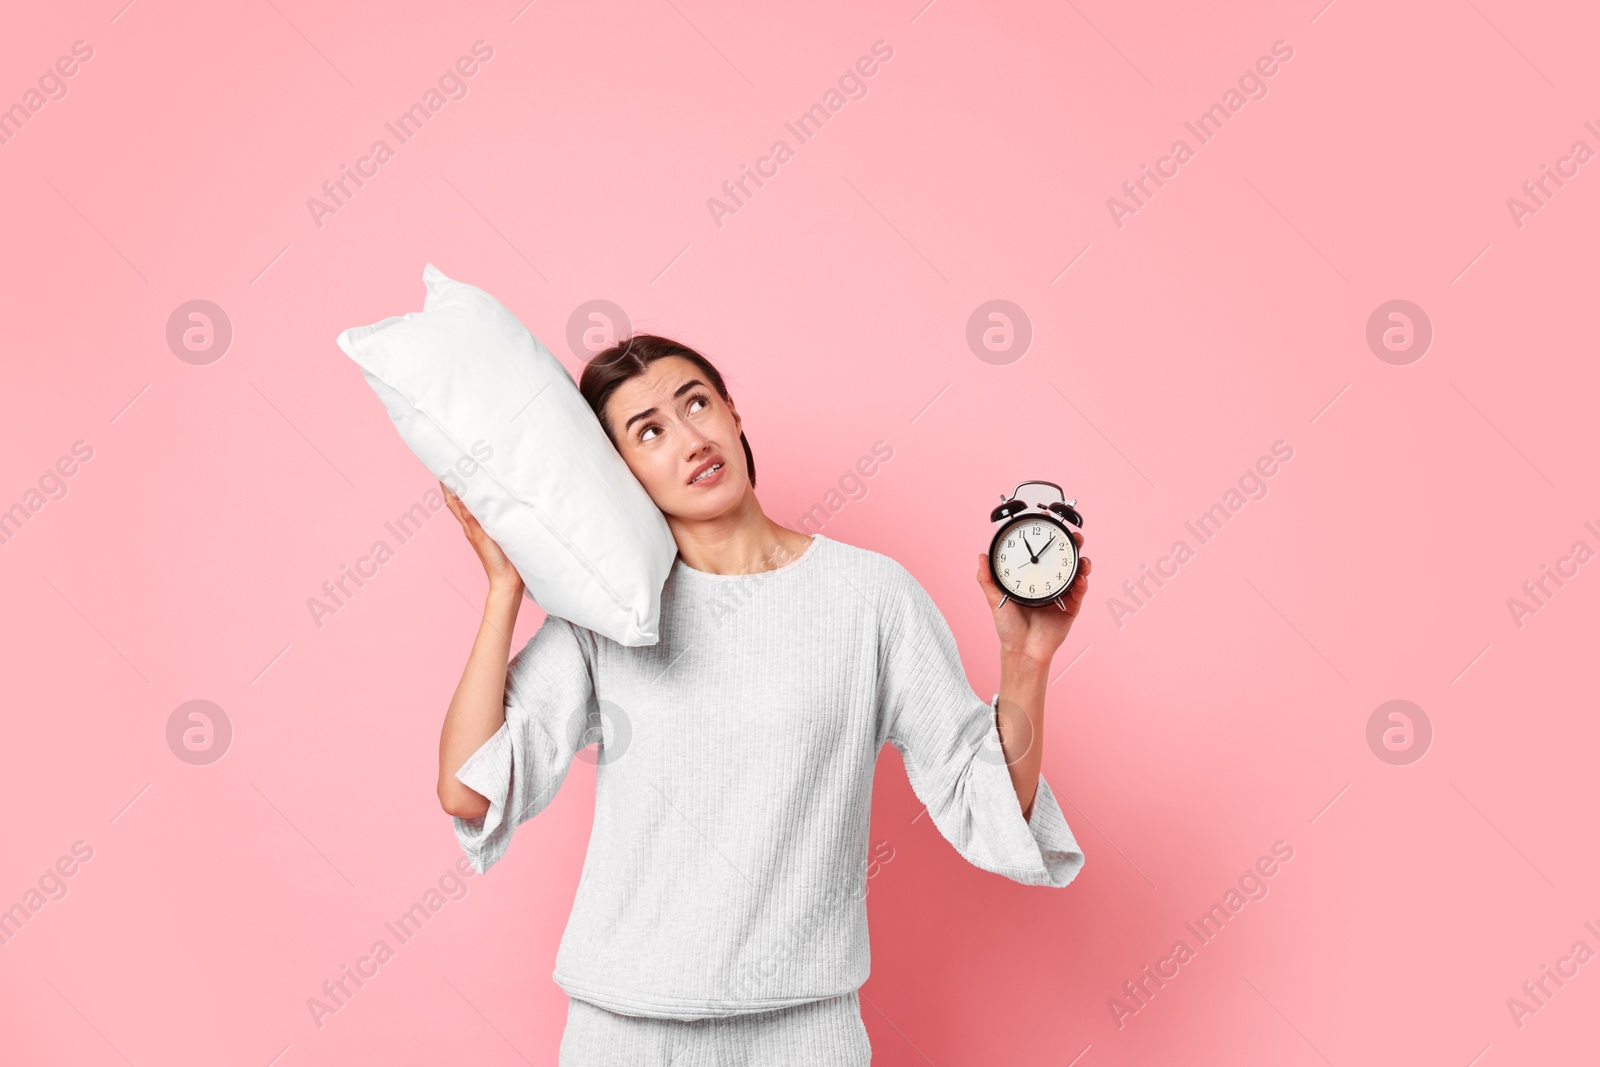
(647, 412)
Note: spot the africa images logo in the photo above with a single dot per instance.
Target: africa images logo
(452, 85)
(1252, 85)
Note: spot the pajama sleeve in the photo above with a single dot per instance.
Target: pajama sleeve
(947, 736)
(551, 712)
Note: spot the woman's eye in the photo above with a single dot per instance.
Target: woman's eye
(702, 398)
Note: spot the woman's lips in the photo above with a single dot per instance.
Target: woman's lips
(711, 479)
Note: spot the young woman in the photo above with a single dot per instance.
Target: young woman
(720, 917)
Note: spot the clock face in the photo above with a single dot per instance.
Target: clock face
(1034, 559)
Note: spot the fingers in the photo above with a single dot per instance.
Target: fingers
(991, 592)
(452, 502)
(1084, 565)
(458, 509)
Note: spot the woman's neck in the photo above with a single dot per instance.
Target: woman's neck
(740, 541)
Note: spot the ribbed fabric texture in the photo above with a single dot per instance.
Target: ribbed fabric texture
(726, 871)
(819, 1033)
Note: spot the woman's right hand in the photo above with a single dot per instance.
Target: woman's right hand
(495, 562)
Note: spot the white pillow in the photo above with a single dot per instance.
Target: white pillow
(500, 421)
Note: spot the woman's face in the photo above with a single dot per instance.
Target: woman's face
(669, 425)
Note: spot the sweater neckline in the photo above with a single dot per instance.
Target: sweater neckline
(680, 567)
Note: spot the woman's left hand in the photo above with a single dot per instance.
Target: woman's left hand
(1034, 633)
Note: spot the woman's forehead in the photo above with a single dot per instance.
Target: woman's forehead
(664, 376)
(657, 388)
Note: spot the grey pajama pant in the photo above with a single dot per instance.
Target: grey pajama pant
(822, 1033)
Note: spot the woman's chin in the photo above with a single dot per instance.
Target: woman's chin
(705, 505)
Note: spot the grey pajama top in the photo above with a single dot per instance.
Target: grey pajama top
(726, 870)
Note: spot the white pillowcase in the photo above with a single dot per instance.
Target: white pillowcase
(500, 421)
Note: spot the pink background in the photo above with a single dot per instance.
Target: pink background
(1228, 313)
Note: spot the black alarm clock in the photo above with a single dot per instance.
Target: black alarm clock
(1033, 558)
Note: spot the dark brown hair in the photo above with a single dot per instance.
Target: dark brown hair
(629, 359)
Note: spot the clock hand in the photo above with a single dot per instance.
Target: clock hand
(1033, 557)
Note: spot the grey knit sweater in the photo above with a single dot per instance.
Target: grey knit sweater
(726, 871)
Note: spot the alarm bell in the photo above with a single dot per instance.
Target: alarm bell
(1014, 506)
